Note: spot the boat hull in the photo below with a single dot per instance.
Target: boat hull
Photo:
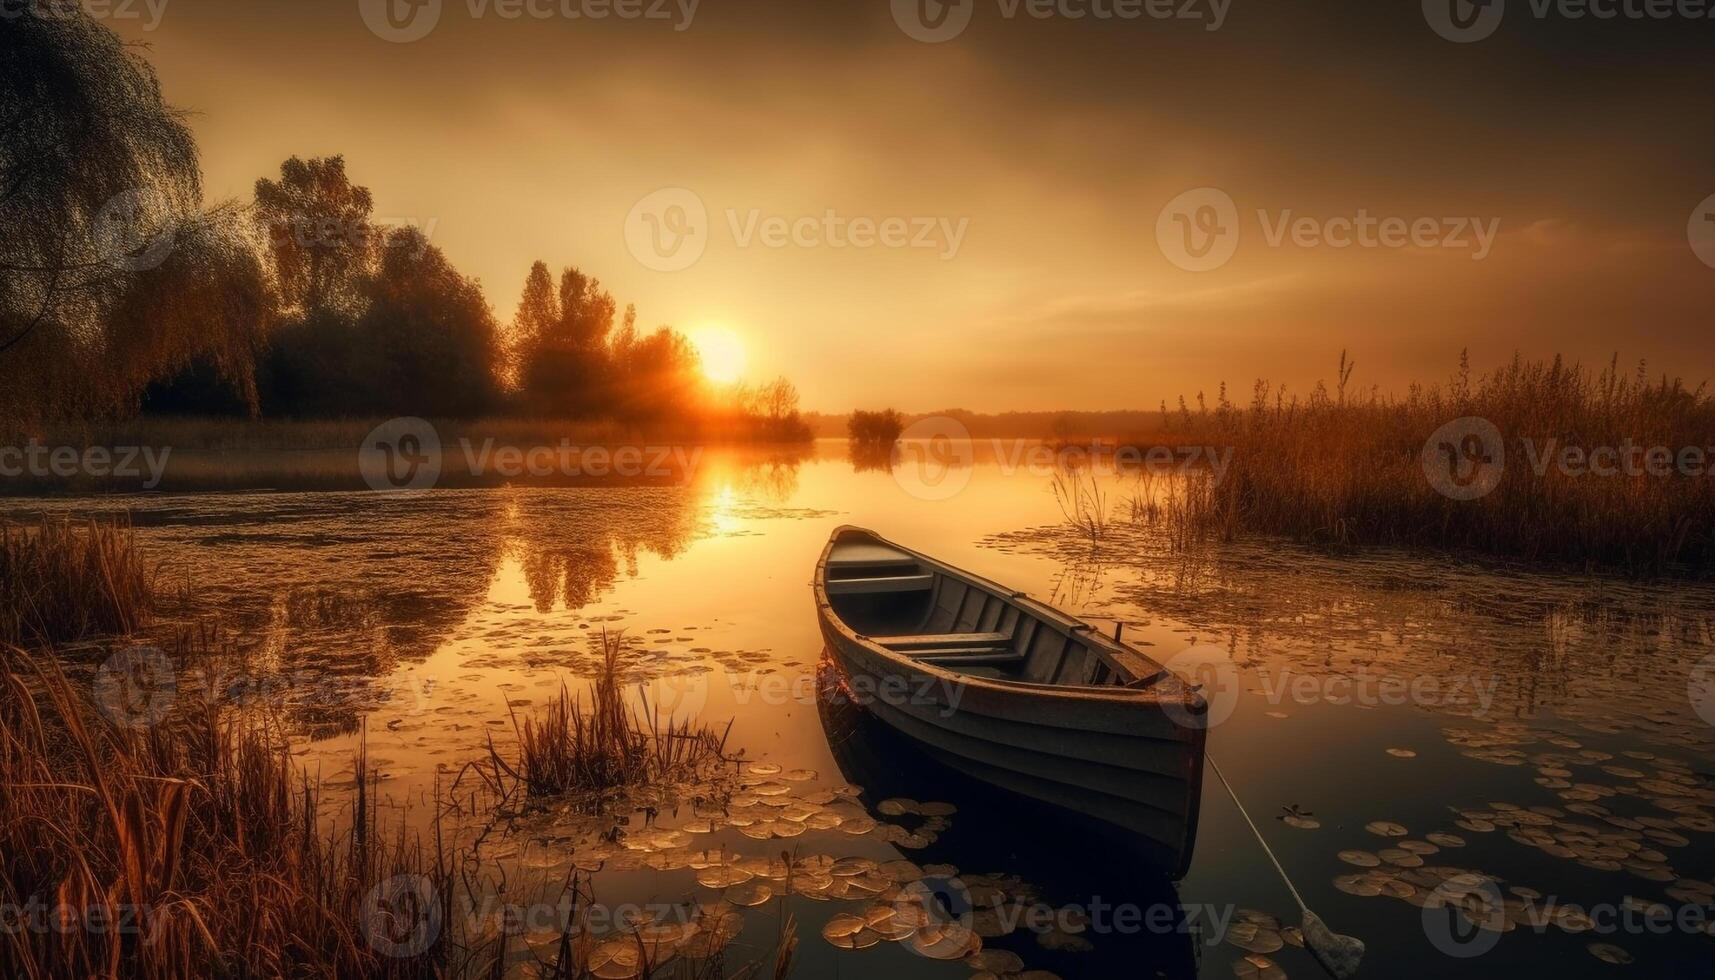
(1126, 758)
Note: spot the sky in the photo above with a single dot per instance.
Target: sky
(997, 205)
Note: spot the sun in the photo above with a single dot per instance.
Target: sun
(722, 353)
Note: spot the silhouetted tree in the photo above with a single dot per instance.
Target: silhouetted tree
(875, 429)
(109, 276)
(776, 406)
(321, 244)
(659, 376)
(432, 341)
(563, 359)
(216, 284)
(538, 311)
(319, 233)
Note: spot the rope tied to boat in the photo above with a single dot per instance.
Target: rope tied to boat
(1339, 954)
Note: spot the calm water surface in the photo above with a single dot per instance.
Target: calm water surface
(1532, 736)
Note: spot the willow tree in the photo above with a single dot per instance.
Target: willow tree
(110, 275)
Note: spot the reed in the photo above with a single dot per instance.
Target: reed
(1083, 503)
(191, 849)
(63, 580)
(1347, 469)
(606, 744)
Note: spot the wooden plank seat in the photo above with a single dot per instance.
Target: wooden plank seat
(934, 641)
(971, 657)
(869, 555)
(881, 583)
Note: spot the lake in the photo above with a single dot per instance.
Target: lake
(1427, 725)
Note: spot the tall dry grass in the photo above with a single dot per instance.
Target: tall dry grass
(63, 580)
(1345, 468)
(191, 849)
(1083, 503)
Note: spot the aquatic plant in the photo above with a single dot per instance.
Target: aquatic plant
(189, 849)
(691, 946)
(63, 580)
(1348, 469)
(1083, 505)
(606, 744)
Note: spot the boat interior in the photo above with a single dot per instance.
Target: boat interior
(920, 610)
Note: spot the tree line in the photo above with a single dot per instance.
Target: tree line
(122, 293)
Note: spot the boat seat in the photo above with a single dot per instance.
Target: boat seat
(976, 657)
(934, 641)
(882, 583)
(870, 555)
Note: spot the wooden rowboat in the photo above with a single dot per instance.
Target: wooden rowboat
(1015, 692)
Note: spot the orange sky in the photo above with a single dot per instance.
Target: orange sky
(1046, 149)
